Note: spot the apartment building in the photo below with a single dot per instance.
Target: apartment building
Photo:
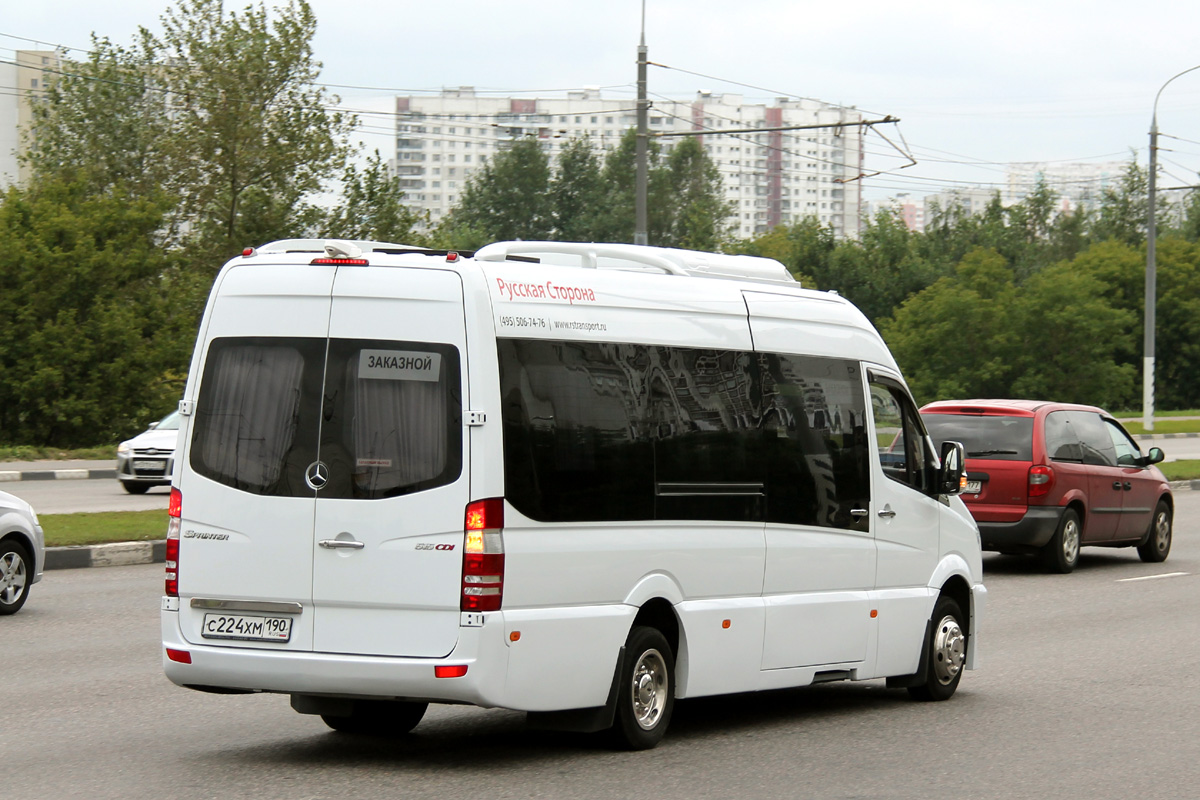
(21, 79)
(780, 162)
(1079, 184)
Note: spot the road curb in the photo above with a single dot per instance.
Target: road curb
(118, 554)
(57, 475)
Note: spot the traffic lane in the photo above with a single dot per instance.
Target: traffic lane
(1088, 687)
(75, 496)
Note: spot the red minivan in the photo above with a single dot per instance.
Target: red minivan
(1047, 478)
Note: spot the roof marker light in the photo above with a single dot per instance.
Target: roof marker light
(249, 251)
(452, 256)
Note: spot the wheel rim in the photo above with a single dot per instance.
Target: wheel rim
(949, 650)
(1070, 541)
(12, 578)
(650, 689)
(1162, 531)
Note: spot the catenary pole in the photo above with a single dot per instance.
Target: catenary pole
(641, 228)
(1151, 266)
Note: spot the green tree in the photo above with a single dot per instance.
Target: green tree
(803, 247)
(879, 271)
(103, 121)
(1123, 211)
(371, 207)
(249, 125)
(692, 196)
(577, 192)
(956, 338)
(508, 198)
(84, 287)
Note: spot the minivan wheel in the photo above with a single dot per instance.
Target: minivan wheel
(15, 576)
(646, 690)
(947, 653)
(1061, 553)
(1158, 538)
(379, 718)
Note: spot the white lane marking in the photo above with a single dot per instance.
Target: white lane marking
(1153, 577)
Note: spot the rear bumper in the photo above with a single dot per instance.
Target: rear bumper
(481, 650)
(1032, 531)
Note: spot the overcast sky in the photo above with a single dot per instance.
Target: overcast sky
(975, 84)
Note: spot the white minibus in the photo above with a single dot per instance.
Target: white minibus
(577, 480)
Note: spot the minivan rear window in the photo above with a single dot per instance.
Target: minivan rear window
(384, 417)
(999, 438)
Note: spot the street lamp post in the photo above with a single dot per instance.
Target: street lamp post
(1151, 288)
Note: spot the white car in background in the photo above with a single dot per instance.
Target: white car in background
(147, 459)
(22, 552)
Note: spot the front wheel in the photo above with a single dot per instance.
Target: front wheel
(646, 690)
(135, 488)
(947, 653)
(16, 573)
(1158, 538)
(378, 718)
(1061, 554)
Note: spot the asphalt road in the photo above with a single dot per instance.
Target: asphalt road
(73, 496)
(1089, 688)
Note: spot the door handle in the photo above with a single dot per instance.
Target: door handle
(859, 513)
(1128, 486)
(887, 512)
(1117, 485)
(341, 544)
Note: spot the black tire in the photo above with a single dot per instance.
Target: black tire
(947, 648)
(1158, 539)
(135, 488)
(379, 718)
(645, 690)
(16, 576)
(1061, 553)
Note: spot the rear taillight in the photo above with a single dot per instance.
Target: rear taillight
(1041, 478)
(483, 556)
(174, 513)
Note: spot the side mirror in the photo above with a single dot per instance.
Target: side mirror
(952, 477)
(1155, 456)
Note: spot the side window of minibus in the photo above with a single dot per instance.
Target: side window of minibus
(900, 439)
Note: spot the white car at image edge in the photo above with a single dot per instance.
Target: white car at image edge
(147, 459)
(22, 552)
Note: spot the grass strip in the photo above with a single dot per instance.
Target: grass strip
(1183, 470)
(103, 527)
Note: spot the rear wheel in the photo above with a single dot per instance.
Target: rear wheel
(646, 690)
(1061, 554)
(378, 718)
(947, 653)
(1158, 538)
(16, 573)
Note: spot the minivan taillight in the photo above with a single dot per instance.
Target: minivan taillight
(483, 556)
(174, 513)
(1041, 478)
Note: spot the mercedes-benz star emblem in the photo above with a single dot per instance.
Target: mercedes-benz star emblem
(317, 475)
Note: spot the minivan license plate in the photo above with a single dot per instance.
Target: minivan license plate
(249, 627)
(974, 487)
